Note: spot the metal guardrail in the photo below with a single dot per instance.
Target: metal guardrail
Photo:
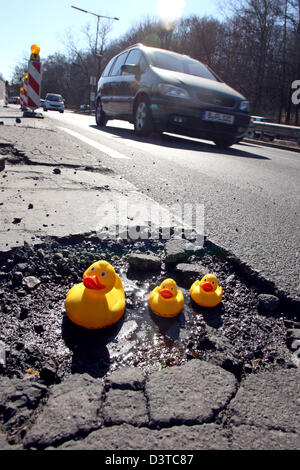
(278, 129)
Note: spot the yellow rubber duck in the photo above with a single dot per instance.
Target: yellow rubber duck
(207, 292)
(99, 300)
(166, 300)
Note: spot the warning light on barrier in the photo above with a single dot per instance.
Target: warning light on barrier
(21, 90)
(35, 52)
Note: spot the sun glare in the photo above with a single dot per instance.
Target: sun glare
(170, 11)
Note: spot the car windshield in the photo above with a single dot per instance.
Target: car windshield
(54, 98)
(178, 63)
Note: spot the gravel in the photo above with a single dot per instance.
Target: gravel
(237, 335)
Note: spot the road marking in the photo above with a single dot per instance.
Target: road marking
(103, 148)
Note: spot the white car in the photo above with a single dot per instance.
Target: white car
(54, 102)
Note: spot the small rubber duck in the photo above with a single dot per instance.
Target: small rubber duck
(98, 301)
(207, 292)
(166, 300)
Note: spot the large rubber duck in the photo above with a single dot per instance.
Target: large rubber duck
(99, 300)
(207, 292)
(166, 300)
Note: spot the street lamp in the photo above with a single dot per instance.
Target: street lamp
(96, 44)
(98, 18)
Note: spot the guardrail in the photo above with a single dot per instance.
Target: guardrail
(278, 129)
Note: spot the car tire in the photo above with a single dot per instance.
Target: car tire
(101, 118)
(143, 122)
(223, 143)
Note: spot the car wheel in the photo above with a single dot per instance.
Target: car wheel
(224, 143)
(143, 122)
(101, 118)
(250, 134)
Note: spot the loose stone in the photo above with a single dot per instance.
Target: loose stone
(268, 303)
(31, 282)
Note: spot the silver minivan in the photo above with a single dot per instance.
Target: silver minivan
(162, 91)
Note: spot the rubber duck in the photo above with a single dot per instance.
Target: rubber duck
(98, 301)
(166, 300)
(207, 292)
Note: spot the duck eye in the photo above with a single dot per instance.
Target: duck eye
(164, 286)
(93, 269)
(205, 279)
(172, 288)
(212, 282)
(103, 274)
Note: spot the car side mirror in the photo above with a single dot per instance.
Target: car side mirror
(131, 69)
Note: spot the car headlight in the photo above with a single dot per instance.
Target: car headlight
(244, 106)
(172, 90)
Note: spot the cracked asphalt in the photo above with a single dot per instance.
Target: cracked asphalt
(52, 186)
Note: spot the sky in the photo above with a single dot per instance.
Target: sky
(48, 22)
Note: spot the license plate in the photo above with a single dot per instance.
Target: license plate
(217, 117)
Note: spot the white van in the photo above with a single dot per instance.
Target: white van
(54, 102)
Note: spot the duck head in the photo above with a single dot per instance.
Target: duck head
(168, 289)
(209, 283)
(100, 276)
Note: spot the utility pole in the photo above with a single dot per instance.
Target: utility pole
(92, 94)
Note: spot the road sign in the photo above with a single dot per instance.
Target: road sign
(93, 81)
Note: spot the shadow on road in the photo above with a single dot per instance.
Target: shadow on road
(178, 142)
(89, 347)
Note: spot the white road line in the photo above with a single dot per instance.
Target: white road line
(103, 148)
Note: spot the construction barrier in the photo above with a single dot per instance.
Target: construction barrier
(5, 97)
(34, 78)
(25, 84)
(22, 98)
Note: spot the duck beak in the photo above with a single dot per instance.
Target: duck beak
(166, 293)
(92, 282)
(207, 287)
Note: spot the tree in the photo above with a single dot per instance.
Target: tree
(293, 54)
(256, 50)
(17, 79)
(254, 23)
(200, 38)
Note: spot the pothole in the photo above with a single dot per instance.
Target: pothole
(40, 340)
(14, 156)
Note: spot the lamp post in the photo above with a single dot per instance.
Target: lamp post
(98, 18)
(96, 43)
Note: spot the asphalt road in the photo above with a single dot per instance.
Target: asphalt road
(250, 192)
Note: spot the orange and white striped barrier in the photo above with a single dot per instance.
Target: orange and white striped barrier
(34, 78)
(22, 98)
(25, 84)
